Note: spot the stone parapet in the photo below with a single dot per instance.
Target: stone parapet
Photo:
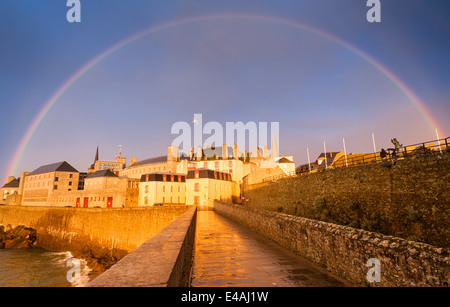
(162, 261)
(345, 251)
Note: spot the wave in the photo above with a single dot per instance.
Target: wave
(62, 258)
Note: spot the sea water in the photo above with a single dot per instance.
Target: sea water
(37, 267)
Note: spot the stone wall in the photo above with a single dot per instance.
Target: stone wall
(164, 260)
(102, 236)
(410, 199)
(345, 251)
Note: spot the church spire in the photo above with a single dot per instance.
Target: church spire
(96, 159)
(96, 155)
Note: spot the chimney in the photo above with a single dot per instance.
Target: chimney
(199, 153)
(10, 178)
(172, 153)
(235, 152)
(133, 160)
(224, 151)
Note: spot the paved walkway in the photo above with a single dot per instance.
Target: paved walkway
(229, 255)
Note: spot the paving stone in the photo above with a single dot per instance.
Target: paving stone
(229, 255)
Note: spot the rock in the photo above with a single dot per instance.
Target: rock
(2, 236)
(18, 237)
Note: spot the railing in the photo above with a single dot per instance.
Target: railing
(280, 176)
(435, 147)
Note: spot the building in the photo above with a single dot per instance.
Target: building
(324, 161)
(203, 186)
(46, 184)
(236, 168)
(162, 189)
(115, 166)
(287, 165)
(195, 178)
(165, 164)
(10, 188)
(104, 189)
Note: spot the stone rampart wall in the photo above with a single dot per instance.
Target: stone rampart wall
(345, 251)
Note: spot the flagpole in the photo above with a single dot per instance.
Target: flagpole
(374, 147)
(309, 161)
(345, 152)
(325, 149)
(439, 142)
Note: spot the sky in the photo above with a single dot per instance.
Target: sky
(317, 67)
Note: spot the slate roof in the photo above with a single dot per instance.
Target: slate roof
(159, 159)
(284, 160)
(218, 150)
(330, 155)
(159, 176)
(12, 184)
(54, 167)
(102, 173)
(208, 173)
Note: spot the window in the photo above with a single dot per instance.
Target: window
(146, 200)
(164, 188)
(197, 174)
(70, 182)
(71, 176)
(196, 200)
(164, 177)
(56, 178)
(146, 189)
(197, 187)
(55, 187)
(171, 189)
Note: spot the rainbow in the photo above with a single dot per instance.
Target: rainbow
(412, 97)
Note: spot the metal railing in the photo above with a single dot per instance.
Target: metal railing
(435, 147)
